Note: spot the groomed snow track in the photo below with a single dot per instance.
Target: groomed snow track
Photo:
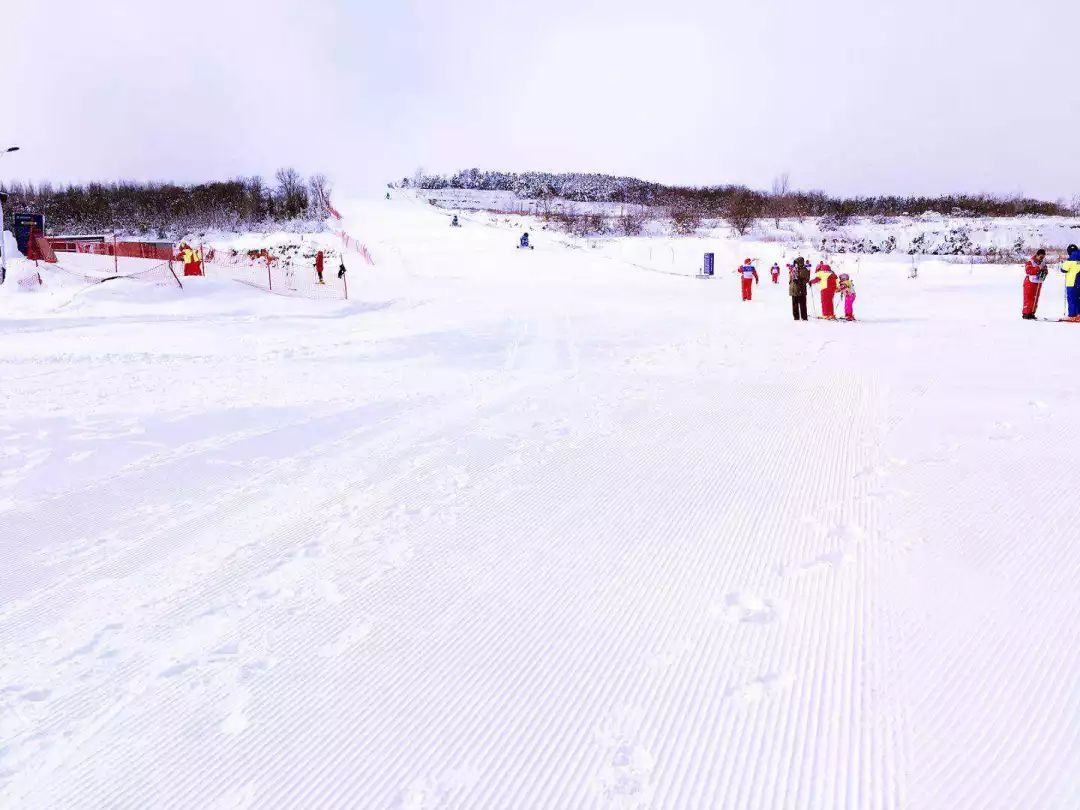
(539, 531)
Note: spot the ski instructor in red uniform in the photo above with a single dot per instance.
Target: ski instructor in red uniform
(1034, 274)
(749, 278)
(825, 276)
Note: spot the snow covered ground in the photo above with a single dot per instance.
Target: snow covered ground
(556, 528)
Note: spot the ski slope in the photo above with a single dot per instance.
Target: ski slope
(560, 528)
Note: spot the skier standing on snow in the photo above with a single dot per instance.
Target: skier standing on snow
(749, 278)
(319, 266)
(1071, 269)
(524, 241)
(847, 292)
(797, 288)
(1034, 275)
(454, 222)
(192, 260)
(775, 272)
(827, 279)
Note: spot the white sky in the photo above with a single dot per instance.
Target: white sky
(850, 96)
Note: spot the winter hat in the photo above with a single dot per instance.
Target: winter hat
(844, 277)
(747, 261)
(1074, 253)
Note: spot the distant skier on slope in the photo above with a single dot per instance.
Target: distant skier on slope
(774, 271)
(749, 279)
(319, 266)
(454, 222)
(827, 279)
(523, 242)
(797, 287)
(1071, 269)
(847, 292)
(1034, 275)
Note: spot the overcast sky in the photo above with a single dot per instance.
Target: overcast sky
(849, 96)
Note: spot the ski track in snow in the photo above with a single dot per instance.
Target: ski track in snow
(581, 537)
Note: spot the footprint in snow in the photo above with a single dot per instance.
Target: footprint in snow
(236, 721)
(745, 608)
(832, 560)
(763, 688)
(625, 779)
(847, 532)
(422, 794)
(346, 640)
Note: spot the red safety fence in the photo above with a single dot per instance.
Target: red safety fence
(292, 276)
(351, 244)
(161, 251)
(347, 241)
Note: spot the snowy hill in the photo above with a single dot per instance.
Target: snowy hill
(553, 528)
(927, 234)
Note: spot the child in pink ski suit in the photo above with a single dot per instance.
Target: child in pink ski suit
(847, 292)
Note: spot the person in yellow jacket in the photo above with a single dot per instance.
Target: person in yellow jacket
(192, 260)
(827, 279)
(1071, 269)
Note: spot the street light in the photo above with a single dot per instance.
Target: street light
(3, 239)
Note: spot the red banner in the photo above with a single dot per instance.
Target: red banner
(130, 250)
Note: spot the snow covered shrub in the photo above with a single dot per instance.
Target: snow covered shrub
(630, 224)
(686, 218)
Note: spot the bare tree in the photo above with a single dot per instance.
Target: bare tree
(292, 192)
(779, 205)
(320, 189)
(743, 209)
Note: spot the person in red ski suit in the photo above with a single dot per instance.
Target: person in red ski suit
(192, 260)
(825, 276)
(1034, 273)
(319, 266)
(775, 272)
(749, 278)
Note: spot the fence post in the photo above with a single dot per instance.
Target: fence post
(345, 281)
(269, 277)
(115, 259)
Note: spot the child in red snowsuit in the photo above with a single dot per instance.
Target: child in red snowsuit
(827, 279)
(749, 278)
(1034, 274)
(775, 272)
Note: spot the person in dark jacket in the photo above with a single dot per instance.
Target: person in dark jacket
(797, 286)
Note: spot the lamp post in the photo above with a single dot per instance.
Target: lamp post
(3, 239)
